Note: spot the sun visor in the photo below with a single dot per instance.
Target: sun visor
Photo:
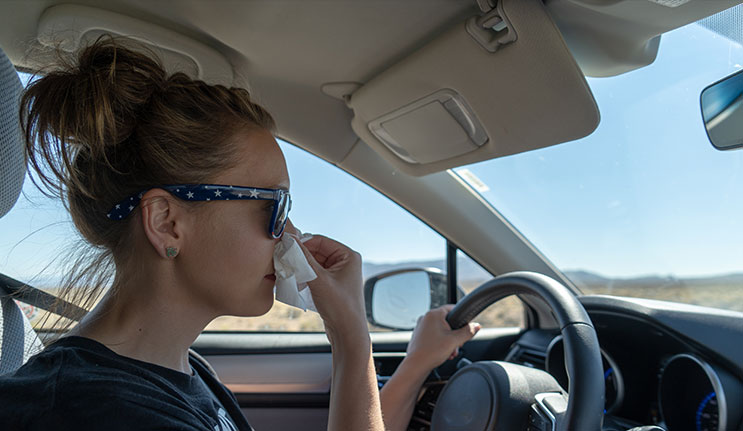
(497, 84)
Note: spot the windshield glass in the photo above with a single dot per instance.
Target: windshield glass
(644, 206)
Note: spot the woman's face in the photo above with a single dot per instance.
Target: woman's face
(232, 251)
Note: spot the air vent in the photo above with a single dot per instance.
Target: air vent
(527, 357)
(423, 411)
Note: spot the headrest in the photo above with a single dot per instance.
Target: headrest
(12, 159)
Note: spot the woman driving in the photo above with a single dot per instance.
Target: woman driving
(183, 193)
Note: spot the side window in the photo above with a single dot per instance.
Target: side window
(38, 231)
(506, 312)
(36, 236)
(328, 201)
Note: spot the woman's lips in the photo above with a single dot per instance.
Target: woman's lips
(271, 277)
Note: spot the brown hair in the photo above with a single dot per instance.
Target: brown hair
(108, 123)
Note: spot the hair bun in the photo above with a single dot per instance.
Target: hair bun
(112, 86)
(85, 107)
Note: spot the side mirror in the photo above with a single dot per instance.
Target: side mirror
(396, 299)
(722, 112)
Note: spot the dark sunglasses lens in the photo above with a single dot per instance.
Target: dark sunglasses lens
(282, 214)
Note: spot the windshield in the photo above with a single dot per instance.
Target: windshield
(644, 206)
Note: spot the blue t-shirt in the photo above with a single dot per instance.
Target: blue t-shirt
(77, 383)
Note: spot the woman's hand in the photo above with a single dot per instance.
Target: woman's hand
(434, 341)
(338, 289)
(338, 295)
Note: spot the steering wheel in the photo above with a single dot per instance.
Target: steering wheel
(500, 396)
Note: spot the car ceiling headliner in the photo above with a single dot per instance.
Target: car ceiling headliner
(286, 50)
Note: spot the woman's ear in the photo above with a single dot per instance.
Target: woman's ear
(162, 222)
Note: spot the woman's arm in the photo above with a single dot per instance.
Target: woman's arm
(338, 295)
(433, 341)
(354, 396)
(400, 393)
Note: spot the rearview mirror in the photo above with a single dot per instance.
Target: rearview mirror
(395, 299)
(722, 112)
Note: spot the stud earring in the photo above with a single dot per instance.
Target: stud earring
(171, 251)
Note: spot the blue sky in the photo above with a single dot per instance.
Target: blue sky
(644, 194)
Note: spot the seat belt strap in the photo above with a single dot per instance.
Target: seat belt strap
(38, 298)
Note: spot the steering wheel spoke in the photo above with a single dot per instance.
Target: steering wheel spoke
(548, 410)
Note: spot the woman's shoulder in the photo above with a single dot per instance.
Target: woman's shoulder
(70, 368)
(74, 359)
(77, 381)
(41, 370)
(77, 364)
(42, 385)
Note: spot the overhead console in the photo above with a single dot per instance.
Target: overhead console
(74, 26)
(499, 83)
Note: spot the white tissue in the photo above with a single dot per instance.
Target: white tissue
(292, 273)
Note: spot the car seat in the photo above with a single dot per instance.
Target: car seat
(18, 340)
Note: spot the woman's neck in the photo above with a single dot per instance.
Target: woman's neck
(147, 318)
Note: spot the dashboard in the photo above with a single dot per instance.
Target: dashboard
(673, 365)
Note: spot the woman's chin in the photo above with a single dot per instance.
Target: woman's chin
(268, 305)
(257, 304)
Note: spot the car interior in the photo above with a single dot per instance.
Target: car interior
(398, 94)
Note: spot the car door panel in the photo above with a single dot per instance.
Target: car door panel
(282, 380)
(296, 373)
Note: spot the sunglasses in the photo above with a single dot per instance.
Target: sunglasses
(282, 201)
